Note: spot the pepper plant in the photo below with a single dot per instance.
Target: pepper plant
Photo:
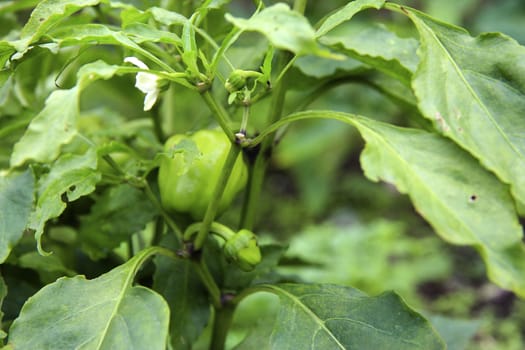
(93, 187)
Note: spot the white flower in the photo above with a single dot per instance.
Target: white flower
(145, 82)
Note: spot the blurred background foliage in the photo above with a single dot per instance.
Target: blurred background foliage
(340, 227)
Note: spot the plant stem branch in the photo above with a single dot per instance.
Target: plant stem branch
(300, 6)
(221, 325)
(209, 282)
(258, 169)
(219, 113)
(213, 206)
(157, 124)
(171, 224)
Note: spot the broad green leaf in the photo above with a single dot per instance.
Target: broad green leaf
(117, 214)
(346, 13)
(167, 17)
(46, 15)
(463, 202)
(473, 88)
(56, 124)
(71, 177)
(395, 89)
(49, 12)
(139, 33)
(378, 47)
(323, 316)
(178, 282)
(107, 312)
(16, 5)
(450, 11)
(44, 264)
(505, 266)
(320, 67)
(284, 28)
(100, 34)
(16, 200)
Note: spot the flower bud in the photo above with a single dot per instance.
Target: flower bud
(242, 250)
(236, 81)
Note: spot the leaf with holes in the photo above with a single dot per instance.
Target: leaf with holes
(473, 88)
(71, 177)
(466, 205)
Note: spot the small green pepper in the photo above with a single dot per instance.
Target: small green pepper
(190, 190)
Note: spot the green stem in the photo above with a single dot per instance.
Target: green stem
(258, 170)
(158, 232)
(157, 124)
(151, 196)
(131, 251)
(219, 113)
(221, 230)
(221, 325)
(113, 164)
(208, 281)
(213, 206)
(300, 6)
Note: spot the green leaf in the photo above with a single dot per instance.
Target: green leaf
(473, 88)
(140, 33)
(16, 200)
(16, 5)
(178, 282)
(378, 47)
(116, 215)
(71, 177)
(100, 34)
(47, 14)
(464, 203)
(6, 50)
(44, 264)
(346, 13)
(284, 28)
(320, 67)
(167, 17)
(107, 312)
(189, 46)
(56, 124)
(335, 317)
